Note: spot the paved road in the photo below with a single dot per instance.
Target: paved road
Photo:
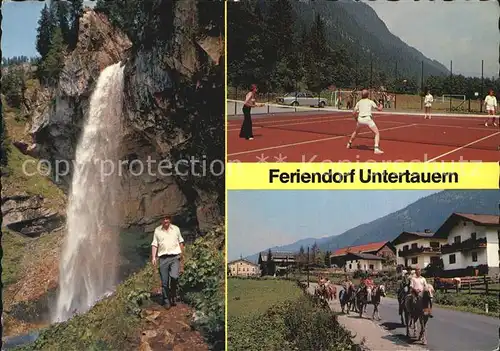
(448, 330)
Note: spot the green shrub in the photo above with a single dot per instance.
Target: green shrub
(202, 285)
(468, 301)
(298, 324)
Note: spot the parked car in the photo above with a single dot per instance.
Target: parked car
(302, 99)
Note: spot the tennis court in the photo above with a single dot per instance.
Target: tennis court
(314, 135)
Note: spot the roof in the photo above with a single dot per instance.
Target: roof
(243, 261)
(477, 219)
(360, 248)
(364, 256)
(409, 236)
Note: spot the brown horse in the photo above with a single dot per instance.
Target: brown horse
(443, 283)
(416, 309)
(327, 293)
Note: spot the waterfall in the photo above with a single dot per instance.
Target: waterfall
(89, 260)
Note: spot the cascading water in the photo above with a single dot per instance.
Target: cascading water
(89, 260)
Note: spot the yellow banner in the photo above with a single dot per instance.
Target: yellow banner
(350, 176)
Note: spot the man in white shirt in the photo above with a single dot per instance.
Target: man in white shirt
(167, 248)
(418, 285)
(363, 115)
(490, 102)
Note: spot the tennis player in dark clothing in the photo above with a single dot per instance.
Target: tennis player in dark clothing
(250, 101)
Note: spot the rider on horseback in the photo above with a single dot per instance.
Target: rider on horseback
(347, 283)
(368, 283)
(418, 285)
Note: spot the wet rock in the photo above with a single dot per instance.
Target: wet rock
(26, 214)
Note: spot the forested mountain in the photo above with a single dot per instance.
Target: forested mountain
(427, 213)
(284, 45)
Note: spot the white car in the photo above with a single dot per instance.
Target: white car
(302, 99)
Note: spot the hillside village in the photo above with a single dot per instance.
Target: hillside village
(465, 244)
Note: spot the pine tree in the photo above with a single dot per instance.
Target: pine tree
(75, 11)
(44, 32)
(54, 62)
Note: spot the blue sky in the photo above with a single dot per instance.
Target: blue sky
(463, 31)
(261, 219)
(19, 23)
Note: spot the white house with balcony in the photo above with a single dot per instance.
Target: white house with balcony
(471, 244)
(417, 249)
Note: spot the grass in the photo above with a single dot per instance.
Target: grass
(265, 314)
(250, 296)
(115, 323)
(15, 181)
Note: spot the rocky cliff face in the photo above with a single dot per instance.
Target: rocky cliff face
(155, 80)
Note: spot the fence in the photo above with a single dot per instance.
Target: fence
(473, 285)
(403, 92)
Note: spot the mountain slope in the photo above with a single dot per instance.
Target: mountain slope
(357, 26)
(427, 213)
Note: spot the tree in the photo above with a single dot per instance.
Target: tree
(314, 253)
(75, 12)
(54, 62)
(270, 265)
(61, 9)
(44, 32)
(327, 258)
(13, 86)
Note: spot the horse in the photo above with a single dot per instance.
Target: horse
(332, 292)
(402, 292)
(346, 298)
(444, 282)
(415, 309)
(376, 296)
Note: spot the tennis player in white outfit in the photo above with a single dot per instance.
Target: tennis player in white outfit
(363, 115)
(428, 100)
(490, 102)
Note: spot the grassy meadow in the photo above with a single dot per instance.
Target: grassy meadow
(274, 314)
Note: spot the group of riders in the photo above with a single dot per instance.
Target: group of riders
(413, 287)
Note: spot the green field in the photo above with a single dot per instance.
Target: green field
(253, 297)
(265, 314)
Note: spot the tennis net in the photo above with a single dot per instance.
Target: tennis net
(453, 130)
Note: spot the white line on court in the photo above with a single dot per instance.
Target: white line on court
(462, 147)
(312, 141)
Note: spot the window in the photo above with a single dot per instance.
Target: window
(473, 236)
(474, 257)
(414, 260)
(405, 248)
(434, 244)
(371, 267)
(453, 259)
(350, 266)
(457, 240)
(414, 245)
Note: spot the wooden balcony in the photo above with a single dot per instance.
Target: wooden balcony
(467, 245)
(418, 250)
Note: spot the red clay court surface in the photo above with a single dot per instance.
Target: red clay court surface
(323, 138)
